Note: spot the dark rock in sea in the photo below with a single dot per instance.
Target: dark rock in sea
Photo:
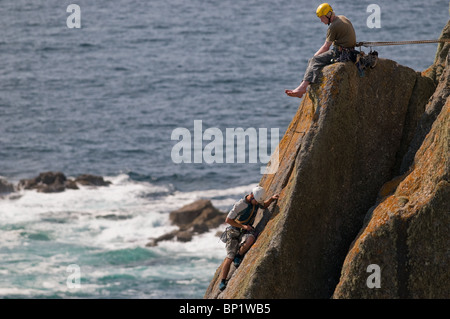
(5, 186)
(114, 217)
(91, 180)
(184, 236)
(200, 215)
(48, 182)
(195, 218)
(55, 182)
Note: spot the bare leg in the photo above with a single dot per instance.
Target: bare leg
(248, 243)
(226, 267)
(299, 91)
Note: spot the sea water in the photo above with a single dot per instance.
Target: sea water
(104, 231)
(105, 98)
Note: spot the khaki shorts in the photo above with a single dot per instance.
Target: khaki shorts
(235, 239)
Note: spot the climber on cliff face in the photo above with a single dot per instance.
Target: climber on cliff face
(240, 235)
(340, 33)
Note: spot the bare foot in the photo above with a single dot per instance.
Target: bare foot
(296, 93)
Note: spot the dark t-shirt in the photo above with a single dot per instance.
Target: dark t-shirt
(341, 33)
(244, 212)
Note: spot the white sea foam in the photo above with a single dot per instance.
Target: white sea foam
(44, 233)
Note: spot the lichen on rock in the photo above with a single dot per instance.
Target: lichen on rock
(350, 194)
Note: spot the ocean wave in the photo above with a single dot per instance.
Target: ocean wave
(123, 215)
(105, 230)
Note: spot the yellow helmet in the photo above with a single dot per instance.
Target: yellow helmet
(323, 9)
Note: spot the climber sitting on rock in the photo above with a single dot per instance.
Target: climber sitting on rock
(340, 33)
(240, 235)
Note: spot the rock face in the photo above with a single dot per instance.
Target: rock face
(407, 233)
(339, 190)
(437, 68)
(195, 218)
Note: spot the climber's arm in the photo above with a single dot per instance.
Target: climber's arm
(324, 48)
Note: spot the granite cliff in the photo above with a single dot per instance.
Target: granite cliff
(363, 180)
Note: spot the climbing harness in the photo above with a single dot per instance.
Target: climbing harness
(359, 58)
(347, 54)
(364, 61)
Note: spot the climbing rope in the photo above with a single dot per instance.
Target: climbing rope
(385, 43)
